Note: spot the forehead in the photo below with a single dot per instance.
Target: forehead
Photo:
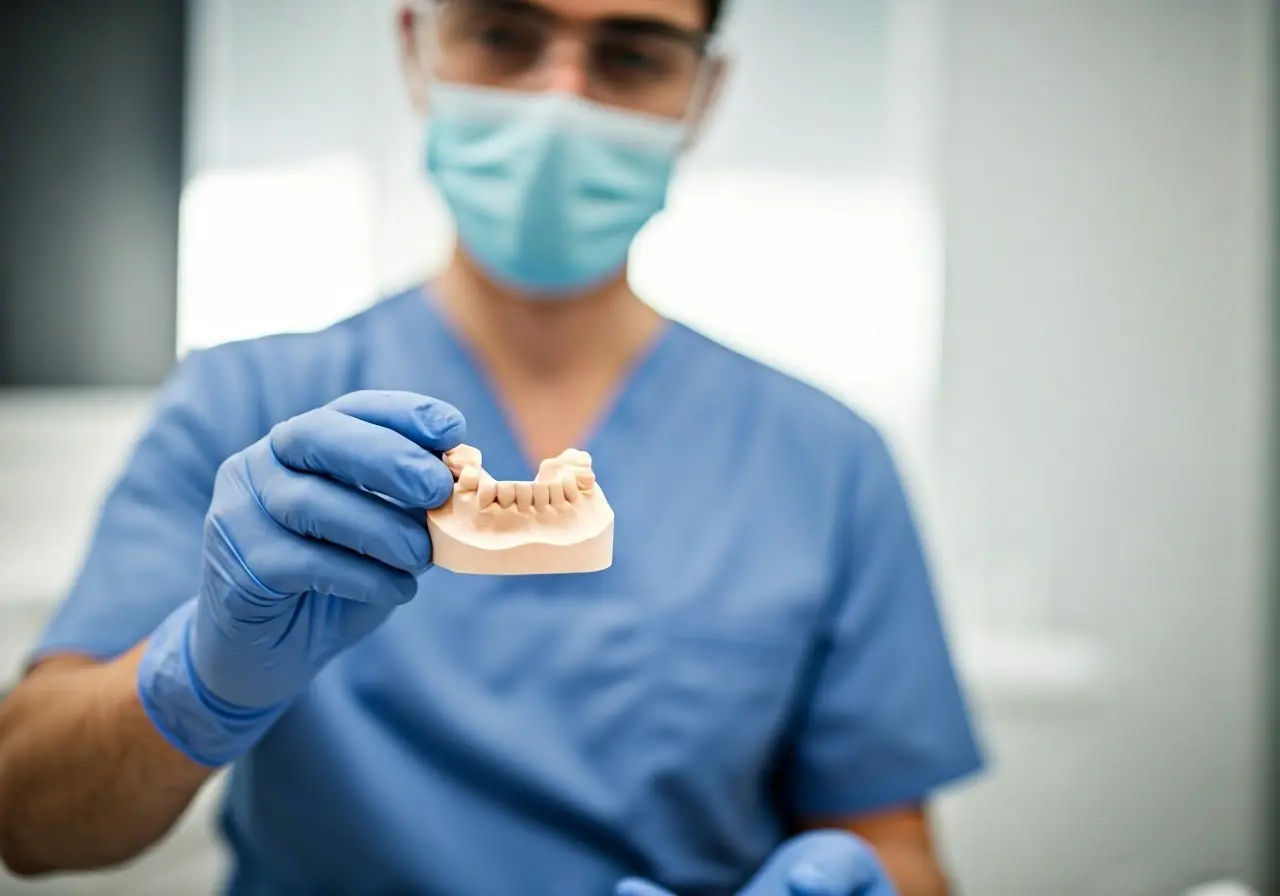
(687, 14)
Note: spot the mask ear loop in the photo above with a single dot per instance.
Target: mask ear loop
(699, 94)
(427, 17)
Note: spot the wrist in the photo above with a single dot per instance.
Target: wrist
(205, 728)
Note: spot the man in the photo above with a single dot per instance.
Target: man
(763, 659)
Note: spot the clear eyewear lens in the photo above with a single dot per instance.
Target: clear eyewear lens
(492, 45)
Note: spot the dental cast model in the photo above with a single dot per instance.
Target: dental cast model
(559, 523)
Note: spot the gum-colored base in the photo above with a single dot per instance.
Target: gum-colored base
(529, 559)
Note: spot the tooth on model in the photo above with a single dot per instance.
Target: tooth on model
(548, 470)
(575, 457)
(506, 494)
(462, 457)
(524, 495)
(487, 490)
(571, 492)
(469, 479)
(541, 495)
(562, 481)
(555, 490)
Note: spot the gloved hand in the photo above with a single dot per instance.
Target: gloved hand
(822, 863)
(303, 555)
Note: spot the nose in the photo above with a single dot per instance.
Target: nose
(567, 67)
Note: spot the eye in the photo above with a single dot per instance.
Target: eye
(629, 58)
(626, 59)
(497, 37)
(501, 34)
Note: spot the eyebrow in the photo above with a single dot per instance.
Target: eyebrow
(646, 27)
(642, 26)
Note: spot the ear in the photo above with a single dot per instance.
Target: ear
(411, 40)
(708, 98)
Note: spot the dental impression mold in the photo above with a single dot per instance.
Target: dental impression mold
(559, 523)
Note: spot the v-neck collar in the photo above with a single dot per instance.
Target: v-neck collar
(648, 383)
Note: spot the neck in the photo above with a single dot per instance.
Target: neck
(548, 339)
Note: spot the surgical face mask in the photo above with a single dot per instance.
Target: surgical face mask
(547, 190)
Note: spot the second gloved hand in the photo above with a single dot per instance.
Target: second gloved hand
(822, 863)
(303, 556)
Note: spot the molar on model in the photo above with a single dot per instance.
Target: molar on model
(558, 523)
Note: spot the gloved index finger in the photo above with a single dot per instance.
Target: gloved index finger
(363, 455)
(428, 422)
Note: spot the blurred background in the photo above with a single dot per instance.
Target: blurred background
(1033, 239)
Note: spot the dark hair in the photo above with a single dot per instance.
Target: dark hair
(714, 9)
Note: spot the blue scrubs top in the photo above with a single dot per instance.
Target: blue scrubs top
(765, 648)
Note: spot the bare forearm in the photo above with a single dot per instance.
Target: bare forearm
(912, 868)
(86, 781)
(903, 840)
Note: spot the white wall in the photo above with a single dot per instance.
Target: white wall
(59, 451)
(1103, 407)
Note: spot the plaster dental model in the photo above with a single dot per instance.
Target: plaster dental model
(559, 523)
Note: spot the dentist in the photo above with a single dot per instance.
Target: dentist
(756, 698)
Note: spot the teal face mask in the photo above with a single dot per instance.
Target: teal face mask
(548, 190)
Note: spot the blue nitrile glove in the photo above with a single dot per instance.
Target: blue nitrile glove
(302, 558)
(821, 863)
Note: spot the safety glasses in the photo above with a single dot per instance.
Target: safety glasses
(642, 65)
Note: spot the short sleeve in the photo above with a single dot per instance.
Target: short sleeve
(143, 558)
(886, 722)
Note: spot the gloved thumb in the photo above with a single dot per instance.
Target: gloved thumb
(634, 886)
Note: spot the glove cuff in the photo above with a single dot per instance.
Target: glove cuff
(203, 727)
